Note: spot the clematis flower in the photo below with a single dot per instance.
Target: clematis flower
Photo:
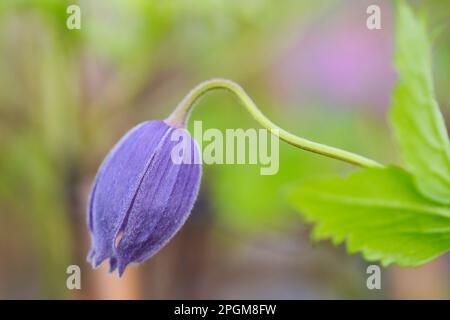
(142, 194)
(147, 185)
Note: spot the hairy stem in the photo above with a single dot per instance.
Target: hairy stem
(180, 115)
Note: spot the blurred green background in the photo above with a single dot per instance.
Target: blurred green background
(66, 96)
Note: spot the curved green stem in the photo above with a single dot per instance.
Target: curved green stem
(180, 115)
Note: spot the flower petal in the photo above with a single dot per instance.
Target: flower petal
(116, 185)
(161, 206)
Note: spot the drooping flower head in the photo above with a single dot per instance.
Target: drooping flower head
(147, 185)
(142, 194)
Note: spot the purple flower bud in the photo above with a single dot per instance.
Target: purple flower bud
(141, 197)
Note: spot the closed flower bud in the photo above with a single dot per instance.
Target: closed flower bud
(147, 185)
(142, 194)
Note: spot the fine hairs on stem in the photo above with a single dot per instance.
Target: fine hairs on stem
(180, 116)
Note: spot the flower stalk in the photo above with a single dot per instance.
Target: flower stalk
(180, 117)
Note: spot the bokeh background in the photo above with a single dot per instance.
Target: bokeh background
(66, 96)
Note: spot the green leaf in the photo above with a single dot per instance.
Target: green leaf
(377, 212)
(417, 120)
